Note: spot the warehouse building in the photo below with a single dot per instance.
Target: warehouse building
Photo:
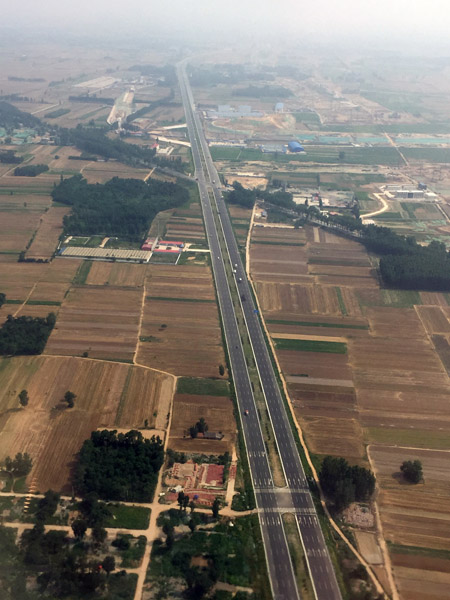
(295, 147)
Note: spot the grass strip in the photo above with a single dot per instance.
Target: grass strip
(43, 303)
(166, 299)
(311, 346)
(341, 301)
(418, 551)
(307, 324)
(267, 243)
(203, 387)
(82, 274)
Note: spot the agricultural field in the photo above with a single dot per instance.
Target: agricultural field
(41, 282)
(218, 414)
(367, 372)
(48, 232)
(101, 321)
(180, 330)
(109, 395)
(116, 274)
(101, 172)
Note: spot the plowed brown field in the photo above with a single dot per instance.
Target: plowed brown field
(390, 391)
(108, 395)
(101, 321)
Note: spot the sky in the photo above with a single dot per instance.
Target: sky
(419, 21)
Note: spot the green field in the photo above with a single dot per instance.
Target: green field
(311, 346)
(416, 438)
(128, 517)
(308, 324)
(177, 299)
(203, 387)
(320, 154)
(438, 155)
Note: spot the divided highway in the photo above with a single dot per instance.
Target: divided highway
(272, 501)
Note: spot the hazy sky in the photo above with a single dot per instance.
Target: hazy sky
(424, 20)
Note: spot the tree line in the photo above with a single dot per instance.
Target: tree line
(13, 118)
(120, 207)
(30, 170)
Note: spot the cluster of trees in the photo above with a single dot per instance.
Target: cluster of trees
(13, 118)
(95, 141)
(30, 170)
(200, 427)
(344, 484)
(231, 554)
(25, 335)
(2, 299)
(246, 198)
(120, 207)
(60, 566)
(404, 263)
(20, 465)
(241, 196)
(9, 157)
(412, 470)
(265, 91)
(119, 466)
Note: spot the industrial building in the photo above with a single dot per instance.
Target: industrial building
(225, 111)
(402, 192)
(295, 147)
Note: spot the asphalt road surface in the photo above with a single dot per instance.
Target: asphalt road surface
(272, 501)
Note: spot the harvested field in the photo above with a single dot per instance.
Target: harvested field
(390, 391)
(180, 328)
(108, 395)
(116, 274)
(102, 323)
(16, 230)
(433, 319)
(100, 172)
(217, 412)
(49, 230)
(184, 281)
(18, 279)
(296, 298)
(183, 338)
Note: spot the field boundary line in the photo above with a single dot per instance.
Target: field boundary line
(382, 541)
(332, 522)
(141, 317)
(430, 340)
(105, 360)
(27, 298)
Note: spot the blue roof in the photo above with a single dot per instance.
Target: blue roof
(295, 147)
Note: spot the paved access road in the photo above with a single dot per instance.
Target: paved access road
(271, 501)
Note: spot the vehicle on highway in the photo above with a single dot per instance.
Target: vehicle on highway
(246, 412)
(239, 279)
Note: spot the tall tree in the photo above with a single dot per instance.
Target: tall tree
(412, 470)
(23, 398)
